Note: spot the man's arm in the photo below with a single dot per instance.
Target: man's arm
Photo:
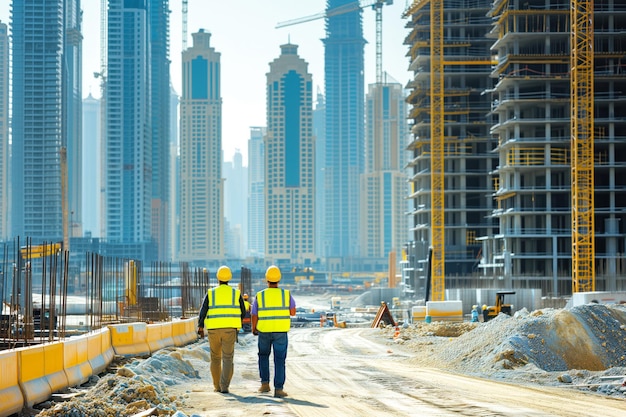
(242, 307)
(254, 317)
(202, 315)
(292, 305)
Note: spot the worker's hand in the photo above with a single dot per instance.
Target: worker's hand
(201, 332)
(255, 332)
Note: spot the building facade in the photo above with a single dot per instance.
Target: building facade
(532, 103)
(46, 117)
(236, 204)
(345, 94)
(160, 120)
(384, 185)
(201, 231)
(256, 192)
(92, 166)
(468, 160)
(289, 162)
(4, 132)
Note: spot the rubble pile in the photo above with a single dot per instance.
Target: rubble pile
(584, 346)
(137, 386)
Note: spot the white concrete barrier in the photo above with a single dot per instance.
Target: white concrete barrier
(445, 310)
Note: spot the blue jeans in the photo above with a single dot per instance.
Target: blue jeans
(279, 341)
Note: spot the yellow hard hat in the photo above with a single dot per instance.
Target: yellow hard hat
(273, 274)
(224, 274)
(245, 296)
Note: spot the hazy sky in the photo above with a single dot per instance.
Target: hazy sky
(244, 32)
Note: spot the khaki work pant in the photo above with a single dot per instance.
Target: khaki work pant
(222, 343)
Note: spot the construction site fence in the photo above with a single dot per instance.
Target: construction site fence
(30, 375)
(47, 294)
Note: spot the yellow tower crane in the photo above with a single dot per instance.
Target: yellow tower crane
(582, 137)
(437, 202)
(377, 5)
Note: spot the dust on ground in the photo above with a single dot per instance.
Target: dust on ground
(583, 348)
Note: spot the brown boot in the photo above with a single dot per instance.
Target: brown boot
(279, 393)
(265, 387)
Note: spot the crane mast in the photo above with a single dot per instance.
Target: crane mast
(437, 177)
(437, 150)
(582, 138)
(185, 11)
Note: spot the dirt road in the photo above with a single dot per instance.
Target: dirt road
(355, 372)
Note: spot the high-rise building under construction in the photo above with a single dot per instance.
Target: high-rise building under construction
(468, 159)
(530, 119)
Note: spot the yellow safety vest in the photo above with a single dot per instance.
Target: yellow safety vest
(273, 310)
(224, 311)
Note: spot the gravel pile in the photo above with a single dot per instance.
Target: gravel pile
(138, 386)
(584, 346)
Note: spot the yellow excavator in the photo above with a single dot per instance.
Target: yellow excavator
(489, 312)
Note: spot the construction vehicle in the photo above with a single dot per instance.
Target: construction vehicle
(489, 312)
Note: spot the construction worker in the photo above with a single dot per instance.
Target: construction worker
(246, 321)
(271, 311)
(221, 314)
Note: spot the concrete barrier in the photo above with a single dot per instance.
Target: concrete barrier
(445, 310)
(190, 331)
(53, 364)
(31, 375)
(95, 353)
(76, 360)
(159, 336)
(130, 339)
(178, 332)
(107, 348)
(418, 313)
(154, 337)
(11, 398)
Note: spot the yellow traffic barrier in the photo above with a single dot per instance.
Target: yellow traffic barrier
(76, 360)
(107, 348)
(53, 366)
(418, 314)
(95, 354)
(11, 398)
(178, 332)
(190, 334)
(31, 375)
(166, 334)
(130, 339)
(445, 310)
(154, 337)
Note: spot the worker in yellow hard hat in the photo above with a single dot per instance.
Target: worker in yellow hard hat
(221, 313)
(271, 311)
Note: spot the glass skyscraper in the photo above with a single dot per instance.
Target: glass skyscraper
(344, 52)
(128, 160)
(289, 162)
(201, 232)
(46, 116)
(4, 131)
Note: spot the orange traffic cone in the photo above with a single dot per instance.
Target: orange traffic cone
(397, 333)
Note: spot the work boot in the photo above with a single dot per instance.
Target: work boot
(265, 387)
(279, 393)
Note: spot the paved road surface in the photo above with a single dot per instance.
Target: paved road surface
(351, 372)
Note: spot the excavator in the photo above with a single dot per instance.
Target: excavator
(489, 312)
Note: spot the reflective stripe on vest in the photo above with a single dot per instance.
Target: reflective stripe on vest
(273, 310)
(224, 311)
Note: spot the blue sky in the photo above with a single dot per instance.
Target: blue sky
(244, 32)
